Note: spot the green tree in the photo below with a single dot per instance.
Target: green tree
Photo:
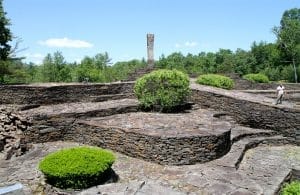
(101, 60)
(48, 70)
(244, 61)
(5, 37)
(224, 60)
(266, 55)
(288, 38)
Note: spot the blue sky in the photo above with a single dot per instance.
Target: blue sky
(81, 28)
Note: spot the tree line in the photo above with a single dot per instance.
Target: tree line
(278, 61)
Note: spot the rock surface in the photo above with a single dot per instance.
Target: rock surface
(12, 138)
(261, 172)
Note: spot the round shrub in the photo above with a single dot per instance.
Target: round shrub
(162, 90)
(77, 168)
(216, 81)
(256, 78)
(292, 188)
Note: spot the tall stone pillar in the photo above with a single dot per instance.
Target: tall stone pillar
(150, 53)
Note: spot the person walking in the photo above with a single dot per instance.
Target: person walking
(280, 93)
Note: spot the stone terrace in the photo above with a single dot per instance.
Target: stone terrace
(259, 157)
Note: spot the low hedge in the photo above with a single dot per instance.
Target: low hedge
(77, 168)
(256, 78)
(162, 90)
(292, 188)
(216, 81)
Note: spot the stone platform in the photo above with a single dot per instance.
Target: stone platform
(174, 139)
(190, 137)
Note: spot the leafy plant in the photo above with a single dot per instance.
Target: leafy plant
(292, 188)
(162, 89)
(256, 78)
(216, 81)
(78, 167)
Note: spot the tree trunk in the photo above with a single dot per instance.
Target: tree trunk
(295, 71)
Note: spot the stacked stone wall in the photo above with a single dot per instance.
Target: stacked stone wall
(26, 94)
(252, 114)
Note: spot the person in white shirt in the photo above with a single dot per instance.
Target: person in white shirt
(280, 93)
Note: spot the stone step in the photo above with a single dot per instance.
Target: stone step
(239, 132)
(238, 149)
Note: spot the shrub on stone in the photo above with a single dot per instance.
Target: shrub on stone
(77, 168)
(292, 188)
(162, 90)
(216, 81)
(256, 78)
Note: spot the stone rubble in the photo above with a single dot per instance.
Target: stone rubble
(12, 138)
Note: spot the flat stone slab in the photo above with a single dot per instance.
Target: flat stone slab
(73, 109)
(198, 122)
(148, 187)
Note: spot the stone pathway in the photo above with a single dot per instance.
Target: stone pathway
(261, 172)
(241, 95)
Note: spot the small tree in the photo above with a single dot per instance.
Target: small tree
(162, 90)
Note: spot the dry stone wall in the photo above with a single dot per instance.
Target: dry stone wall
(169, 150)
(27, 94)
(252, 114)
(12, 134)
(164, 150)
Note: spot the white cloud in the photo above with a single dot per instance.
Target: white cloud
(177, 45)
(191, 44)
(186, 44)
(65, 42)
(36, 58)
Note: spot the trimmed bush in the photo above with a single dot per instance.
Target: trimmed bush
(292, 188)
(216, 81)
(162, 90)
(256, 78)
(77, 168)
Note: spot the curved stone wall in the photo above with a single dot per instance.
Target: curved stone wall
(170, 150)
(170, 139)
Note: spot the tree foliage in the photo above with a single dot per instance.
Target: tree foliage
(5, 38)
(288, 38)
(278, 61)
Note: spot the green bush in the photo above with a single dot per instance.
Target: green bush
(292, 188)
(78, 167)
(256, 78)
(162, 90)
(216, 81)
(272, 73)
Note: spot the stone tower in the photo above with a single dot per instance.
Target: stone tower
(150, 53)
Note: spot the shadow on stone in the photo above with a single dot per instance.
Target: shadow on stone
(181, 108)
(109, 176)
(28, 107)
